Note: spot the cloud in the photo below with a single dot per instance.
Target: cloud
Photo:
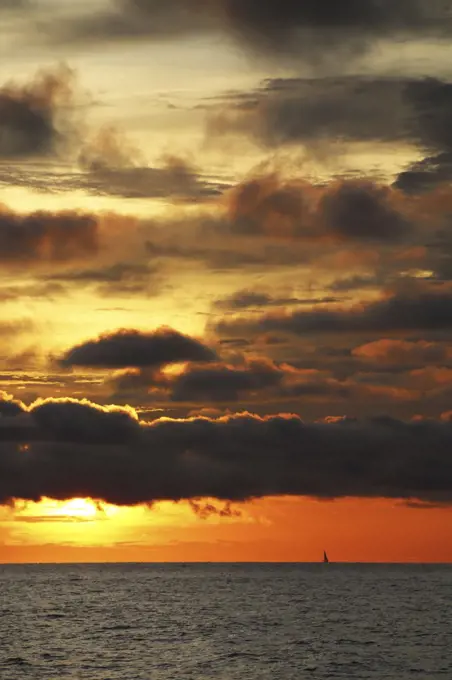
(31, 290)
(38, 119)
(46, 236)
(377, 234)
(313, 30)
(355, 210)
(10, 406)
(337, 111)
(136, 19)
(114, 167)
(313, 27)
(176, 180)
(245, 299)
(120, 278)
(282, 211)
(257, 382)
(222, 383)
(403, 352)
(206, 510)
(14, 5)
(425, 311)
(35, 118)
(362, 211)
(299, 110)
(132, 348)
(64, 449)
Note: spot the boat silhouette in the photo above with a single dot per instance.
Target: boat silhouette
(325, 557)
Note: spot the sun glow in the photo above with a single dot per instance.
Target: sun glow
(77, 507)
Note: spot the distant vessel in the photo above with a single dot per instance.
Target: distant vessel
(325, 557)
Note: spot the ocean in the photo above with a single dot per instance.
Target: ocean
(225, 622)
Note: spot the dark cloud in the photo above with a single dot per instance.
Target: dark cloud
(432, 104)
(120, 278)
(113, 167)
(354, 210)
(346, 110)
(32, 290)
(296, 110)
(64, 449)
(357, 282)
(425, 311)
(244, 299)
(46, 237)
(214, 254)
(257, 382)
(108, 165)
(426, 174)
(35, 117)
(223, 383)
(313, 29)
(176, 180)
(10, 406)
(131, 348)
(403, 352)
(138, 19)
(379, 236)
(362, 211)
(16, 5)
(319, 26)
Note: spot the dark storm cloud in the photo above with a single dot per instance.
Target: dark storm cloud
(313, 29)
(46, 237)
(426, 311)
(131, 348)
(78, 449)
(34, 117)
(325, 25)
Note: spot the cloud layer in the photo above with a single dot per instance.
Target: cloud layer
(313, 30)
(64, 448)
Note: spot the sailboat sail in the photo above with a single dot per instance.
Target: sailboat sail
(325, 557)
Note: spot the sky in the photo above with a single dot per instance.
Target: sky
(226, 280)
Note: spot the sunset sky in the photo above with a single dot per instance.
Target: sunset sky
(226, 280)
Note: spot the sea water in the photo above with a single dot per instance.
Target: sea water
(229, 622)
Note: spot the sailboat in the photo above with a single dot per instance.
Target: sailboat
(325, 557)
